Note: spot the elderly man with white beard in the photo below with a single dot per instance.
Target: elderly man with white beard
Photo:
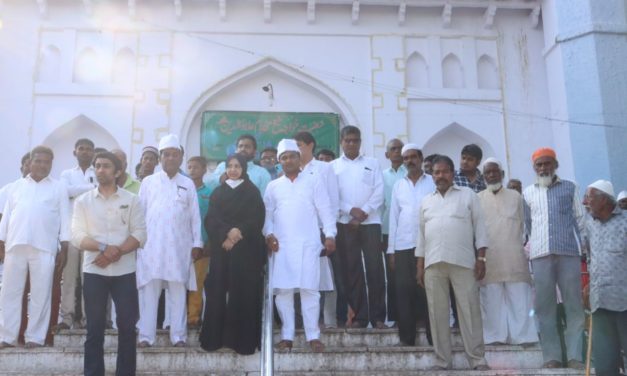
(554, 219)
(506, 289)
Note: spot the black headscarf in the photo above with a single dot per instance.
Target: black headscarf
(242, 162)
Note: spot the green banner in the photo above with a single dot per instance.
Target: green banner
(220, 130)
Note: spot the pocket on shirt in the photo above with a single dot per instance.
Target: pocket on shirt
(459, 212)
(367, 177)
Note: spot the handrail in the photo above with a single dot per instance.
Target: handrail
(266, 359)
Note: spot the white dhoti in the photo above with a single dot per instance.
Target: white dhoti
(176, 306)
(18, 262)
(506, 309)
(310, 307)
(327, 289)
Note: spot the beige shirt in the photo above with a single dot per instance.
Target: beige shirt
(504, 216)
(449, 227)
(109, 221)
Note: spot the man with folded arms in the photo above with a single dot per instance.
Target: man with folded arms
(108, 224)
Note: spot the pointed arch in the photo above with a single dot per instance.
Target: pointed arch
(49, 65)
(124, 67)
(417, 72)
(451, 139)
(452, 72)
(62, 140)
(267, 66)
(487, 73)
(89, 67)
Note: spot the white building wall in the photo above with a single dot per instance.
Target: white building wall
(355, 63)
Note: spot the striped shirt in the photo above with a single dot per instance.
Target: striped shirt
(554, 218)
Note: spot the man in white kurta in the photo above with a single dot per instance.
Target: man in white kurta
(294, 203)
(35, 219)
(324, 172)
(505, 291)
(173, 239)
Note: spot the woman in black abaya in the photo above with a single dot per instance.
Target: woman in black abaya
(234, 223)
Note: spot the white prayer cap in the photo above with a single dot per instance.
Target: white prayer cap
(603, 186)
(169, 141)
(492, 160)
(622, 195)
(287, 144)
(409, 147)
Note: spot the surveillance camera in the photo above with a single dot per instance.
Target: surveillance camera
(265, 88)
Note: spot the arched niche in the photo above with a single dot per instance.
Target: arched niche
(294, 91)
(89, 68)
(487, 73)
(452, 72)
(124, 67)
(49, 68)
(451, 139)
(62, 140)
(417, 72)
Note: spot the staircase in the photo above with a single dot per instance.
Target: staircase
(349, 352)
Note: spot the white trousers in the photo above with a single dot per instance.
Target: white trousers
(177, 307)
(71, 273)
(507, 312)
(310, 307)
(17, 262)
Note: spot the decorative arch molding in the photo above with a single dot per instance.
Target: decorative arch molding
(487, 73)
(451, 139)
(265, 66)
(49, 65)
(417, 72)
(89, 67)
(124, 67)
(452, 72)
(61, 140)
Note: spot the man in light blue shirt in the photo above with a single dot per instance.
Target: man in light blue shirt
(246, 145)
(391, 175)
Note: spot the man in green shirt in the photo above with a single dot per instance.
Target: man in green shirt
(196, 168)
(125, 180)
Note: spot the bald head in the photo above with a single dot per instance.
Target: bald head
(393, 151)
(121, 155)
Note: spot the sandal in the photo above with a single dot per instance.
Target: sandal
(316, 346)
(284, 345)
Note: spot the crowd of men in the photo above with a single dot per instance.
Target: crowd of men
(418, 244)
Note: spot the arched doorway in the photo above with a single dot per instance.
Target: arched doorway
(293, 91)
(451, 139)
(62, 140)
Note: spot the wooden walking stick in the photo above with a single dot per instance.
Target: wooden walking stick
(589, 350)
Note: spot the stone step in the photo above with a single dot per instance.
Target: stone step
(331, 337)
(524, 372)
(377, 360)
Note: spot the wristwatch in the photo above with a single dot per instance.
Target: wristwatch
(483, 259)
(102, 247)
